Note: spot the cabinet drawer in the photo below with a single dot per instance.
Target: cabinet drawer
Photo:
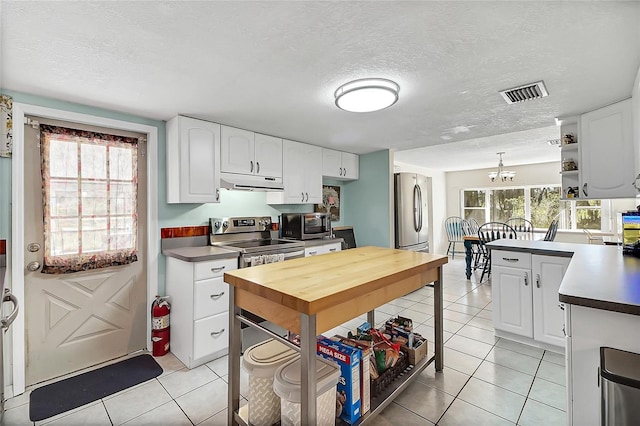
(210, 335)
(211, 297)
(513, 259)
(214, 268)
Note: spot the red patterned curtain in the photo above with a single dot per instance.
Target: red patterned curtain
(89, 199)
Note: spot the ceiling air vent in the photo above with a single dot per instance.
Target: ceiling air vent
(525, 93)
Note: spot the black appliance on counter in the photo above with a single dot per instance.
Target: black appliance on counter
(631, 233)
(305, 226)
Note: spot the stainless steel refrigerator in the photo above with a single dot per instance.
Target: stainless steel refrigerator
(411, 211)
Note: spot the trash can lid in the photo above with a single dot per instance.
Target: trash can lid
(620, 366)
(286, 382)
(262, 359)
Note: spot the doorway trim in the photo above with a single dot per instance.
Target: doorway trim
(20, 110)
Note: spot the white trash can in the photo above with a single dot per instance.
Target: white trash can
(286, 384)
(261, 361)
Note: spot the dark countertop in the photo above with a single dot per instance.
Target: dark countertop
(598, 276)
(200, 254)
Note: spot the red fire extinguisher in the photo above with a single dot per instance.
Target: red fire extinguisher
(160, 325)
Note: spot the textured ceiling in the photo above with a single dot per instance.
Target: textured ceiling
(272, 67)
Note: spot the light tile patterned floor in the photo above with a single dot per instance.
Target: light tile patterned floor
(486, 380)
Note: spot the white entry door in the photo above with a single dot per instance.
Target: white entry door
(76, 320)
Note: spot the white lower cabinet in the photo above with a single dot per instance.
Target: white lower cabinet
(525, 297)
(588, 330)
(199, 309)
(322, 249)
(548, 318)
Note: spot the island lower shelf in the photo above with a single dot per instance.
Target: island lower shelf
(378, 403)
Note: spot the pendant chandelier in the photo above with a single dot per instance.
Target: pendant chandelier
(502, 174)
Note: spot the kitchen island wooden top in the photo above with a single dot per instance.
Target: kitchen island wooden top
(337, 285)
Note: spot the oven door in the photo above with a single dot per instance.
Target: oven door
(247, 260)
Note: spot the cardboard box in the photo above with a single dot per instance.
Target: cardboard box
(417, 352)
(365, 372)
(348, 358)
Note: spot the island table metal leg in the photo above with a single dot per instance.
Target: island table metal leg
(308, 352)
(437, 312)
(233, 404)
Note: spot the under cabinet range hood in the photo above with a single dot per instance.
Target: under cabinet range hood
(250, 182)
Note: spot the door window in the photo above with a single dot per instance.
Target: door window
(89, 198)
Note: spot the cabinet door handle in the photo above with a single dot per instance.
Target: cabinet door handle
(344, 172)
(251, 166)
(313, 253)
(257, 167)
(216, 296)
(217, 333)
(332, 249)
(302, 196)
(538, 280)
(526, 278)
(218, 269)
(217, 195)
(635, 183)
(511, 259)
(307, 196)
(584, 190)
(340, 171)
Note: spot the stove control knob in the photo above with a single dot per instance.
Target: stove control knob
(216, 224)
(225, 224)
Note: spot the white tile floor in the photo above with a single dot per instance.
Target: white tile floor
(486, 381)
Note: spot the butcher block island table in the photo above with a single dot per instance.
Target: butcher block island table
(311, 295)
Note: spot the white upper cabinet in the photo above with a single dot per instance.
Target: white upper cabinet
(340, 165)
(302, 175)
(268, 155)
(607, 152)
(193, 161)
(249, 153)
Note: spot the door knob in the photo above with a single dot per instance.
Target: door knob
(33, 266)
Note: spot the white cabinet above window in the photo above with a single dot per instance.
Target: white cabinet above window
(193, 161)
(249, 153)
(340, 165)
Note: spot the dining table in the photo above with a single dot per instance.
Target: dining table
(469, 241)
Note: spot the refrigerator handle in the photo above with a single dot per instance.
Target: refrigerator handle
(417, 208)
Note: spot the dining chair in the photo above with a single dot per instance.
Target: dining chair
(551, 231)
(473, 226)
(521, 225)
(593, 239)
(492, 231)
(453, 227)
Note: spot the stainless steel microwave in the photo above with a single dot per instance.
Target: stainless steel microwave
(305, 226)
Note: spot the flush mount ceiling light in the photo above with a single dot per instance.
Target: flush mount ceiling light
(501, 174)
(367, 94)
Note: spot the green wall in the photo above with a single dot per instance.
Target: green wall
(367, 201)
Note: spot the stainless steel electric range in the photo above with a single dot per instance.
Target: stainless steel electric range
(251, 237)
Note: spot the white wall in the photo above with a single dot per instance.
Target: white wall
(438, 210)
(532, 174)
